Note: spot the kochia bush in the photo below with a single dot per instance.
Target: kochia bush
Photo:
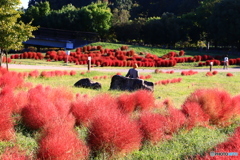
(213, 102)
(114, 134)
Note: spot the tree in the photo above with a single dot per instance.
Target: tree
(66, 18)
(120, 16)
(96, 17)
(58, 4)
(36, 13)
(224, 23)
(13, 32)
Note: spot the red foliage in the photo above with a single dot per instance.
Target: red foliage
(118, 73)
(86, 111)
(114, 134)
(20, 100)
(60, 142)
(46, 105)
(215, 72)
(181, 53)
(236, 105)
(45, 74)
(153, 126)
(229, 74)
(195, 115)
(187, 73)
(209, 74)
(34, 74)
(72, 73)
(6, 121)
(144, 99)
(10, 79)
(213, 102)
(81, 111)
(126, 103)
(175, 120)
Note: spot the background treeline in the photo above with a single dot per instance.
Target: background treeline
(168, 23)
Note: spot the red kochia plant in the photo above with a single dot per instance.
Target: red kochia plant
(6, 121)
(215, 72)
(85, 111)
(229, 74)
(126, 103)
(181, 53)
(153, 126)
(195, 115)
(187, 73)
(59, 141)
(175, 120)
(11, 80)
(144, 99)
(40, 110)
(209, 74)
(34, 74)
(114, 133)
(215, 103)
(81, 111)
(46, 105)
(20, 100)
(236, 105)
(72, 73)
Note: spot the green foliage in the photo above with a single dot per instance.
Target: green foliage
(97, 18)
(37, 12)
(68, 18)
(224, 22)
(12, 32)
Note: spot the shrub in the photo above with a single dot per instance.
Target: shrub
(215, 103)
(236, 105)
(11, 80)
(153, 127)
(209, 74)
(81, 111)
(175, 120)
(195, 115)
(60, 142)
(46, 106)
(6, 121)
(215, 72)
(72, 73)
(34, 74)
(144, 99)
(126, 103)
(229, 74)
(114, 134)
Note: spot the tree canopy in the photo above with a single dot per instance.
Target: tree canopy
(13, 32)
(158, 22)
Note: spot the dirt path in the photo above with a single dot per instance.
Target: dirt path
(21, 66)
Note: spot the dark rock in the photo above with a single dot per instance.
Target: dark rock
(87, 83)
(129, 84)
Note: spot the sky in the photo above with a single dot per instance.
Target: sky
(24, 3)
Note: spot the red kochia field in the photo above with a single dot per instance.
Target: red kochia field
(115, 126)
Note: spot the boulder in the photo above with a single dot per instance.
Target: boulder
(129, 84)
(87, 83)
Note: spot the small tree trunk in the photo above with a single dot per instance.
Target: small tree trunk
(6, 61)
